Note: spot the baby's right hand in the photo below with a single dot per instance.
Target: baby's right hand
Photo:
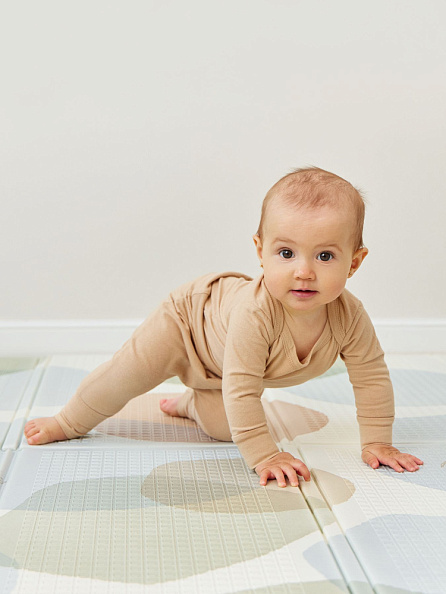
(280, 466)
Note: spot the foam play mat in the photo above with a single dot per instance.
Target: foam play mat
(149, 503)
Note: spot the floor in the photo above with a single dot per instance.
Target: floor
(147, 503)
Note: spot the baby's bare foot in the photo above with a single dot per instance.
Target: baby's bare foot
(43, 430)
(169, 406)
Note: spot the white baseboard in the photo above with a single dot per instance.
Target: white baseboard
(424, 335)
(31, 338)
(52, 337)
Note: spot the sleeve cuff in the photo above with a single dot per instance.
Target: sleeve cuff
(256, 446)
(375, 430)
(77, 418)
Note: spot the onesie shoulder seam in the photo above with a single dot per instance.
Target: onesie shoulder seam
(355, 315)
(345, 311)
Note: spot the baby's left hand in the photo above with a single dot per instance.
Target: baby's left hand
(377, 454)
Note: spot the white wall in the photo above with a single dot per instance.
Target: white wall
(139, 138)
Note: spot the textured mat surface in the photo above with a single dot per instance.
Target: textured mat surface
(15, 376)
(148, 503)
(140, 420)
(323, 410)
(395, 523)
(194, 517)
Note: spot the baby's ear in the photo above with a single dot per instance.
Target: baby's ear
(357, 260)
(258, 244)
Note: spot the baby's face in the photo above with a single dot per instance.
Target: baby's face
(307, 256)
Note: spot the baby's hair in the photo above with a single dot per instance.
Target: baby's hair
(311, 187)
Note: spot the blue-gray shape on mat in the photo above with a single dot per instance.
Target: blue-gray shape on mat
(412, 388)
(431, 475)
(419, 429)
(380, 542)
(58, 384)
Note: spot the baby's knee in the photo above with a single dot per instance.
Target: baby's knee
(206, 408)
(221, 432)
(212, 419)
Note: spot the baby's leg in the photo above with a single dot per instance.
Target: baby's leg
(205, 407)
(155, 352)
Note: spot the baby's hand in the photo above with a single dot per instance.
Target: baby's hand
(281, 465)
(377, 454)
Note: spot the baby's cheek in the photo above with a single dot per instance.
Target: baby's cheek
(272, 283)
(337, 286)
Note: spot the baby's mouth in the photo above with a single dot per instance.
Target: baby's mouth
(303, 292)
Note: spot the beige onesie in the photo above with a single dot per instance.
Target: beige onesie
(227, 339)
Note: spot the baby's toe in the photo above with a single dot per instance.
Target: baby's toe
(30, 428)
(33, 432)
(33, 436)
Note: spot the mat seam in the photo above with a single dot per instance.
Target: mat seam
(292, 446)
(41, 372)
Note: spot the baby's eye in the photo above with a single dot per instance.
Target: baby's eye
(325, 256)
(287, 254)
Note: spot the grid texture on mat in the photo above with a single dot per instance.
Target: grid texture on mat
(193, 520)
(140, 420)
(145, 504)
(323, 410)
(5, 458)
(394, 522)
(15, 376)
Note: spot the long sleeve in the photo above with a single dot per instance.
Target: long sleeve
(370, 379)
(246, 353)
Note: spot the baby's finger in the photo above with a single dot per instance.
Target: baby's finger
(408, 462)
(370, 459)
(264, 476)
(302, 469)
(291, 473)
(280, 477)
(392, 462)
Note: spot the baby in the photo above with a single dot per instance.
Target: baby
(228, 336)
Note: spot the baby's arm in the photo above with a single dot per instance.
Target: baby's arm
(246, 355)
(374, 397)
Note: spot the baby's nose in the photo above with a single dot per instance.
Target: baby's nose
(304, 270)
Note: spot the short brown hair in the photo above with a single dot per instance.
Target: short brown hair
(312, 187)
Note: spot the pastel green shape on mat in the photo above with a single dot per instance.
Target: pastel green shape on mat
(326, 587)
(14, 364)
(332, 587)
(125, 529)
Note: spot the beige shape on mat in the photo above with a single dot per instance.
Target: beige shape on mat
(189, 485)
(142, 419)
(286, 420)
(335, 488)
(194, 517)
